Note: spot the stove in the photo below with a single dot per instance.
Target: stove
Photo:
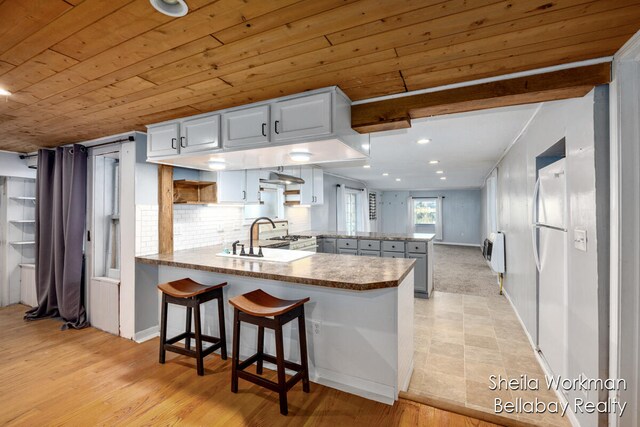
(281, 234)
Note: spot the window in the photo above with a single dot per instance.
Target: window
(351, 213)
(424, 211)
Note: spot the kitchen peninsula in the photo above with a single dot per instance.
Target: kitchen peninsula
(359, 319)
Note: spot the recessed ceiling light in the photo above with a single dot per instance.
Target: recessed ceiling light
(434, 162)
(4, 92)
(398, 179)
(443, 178)
(366, 146)
(439, 172)
(175, 8)
(424, 141)
(300, 156)
(385, 174)
(217, 165)
(367, 166)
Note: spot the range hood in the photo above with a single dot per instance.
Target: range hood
(281, 178)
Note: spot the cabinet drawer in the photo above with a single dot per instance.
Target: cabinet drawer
(348, 244)
(347, 251)
(364, 252)
(393, 246)
(369, 245)
(417, 247)
(392, 254)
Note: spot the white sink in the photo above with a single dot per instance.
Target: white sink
(272, 255)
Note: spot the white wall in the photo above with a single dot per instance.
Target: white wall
(12, 165)
(581, 122)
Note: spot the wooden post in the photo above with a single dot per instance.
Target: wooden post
(165, 209)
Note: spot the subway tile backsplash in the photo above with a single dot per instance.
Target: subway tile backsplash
(197, 226)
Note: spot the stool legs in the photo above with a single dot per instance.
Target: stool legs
(235, 359)
(302, 333)
(198, 338)
(187, 340)
(260, 349)
(223, 332)
(282, 380)
(163, 328)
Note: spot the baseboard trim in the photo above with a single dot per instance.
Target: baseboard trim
(450, 406)
(473, 245)
(146, 334)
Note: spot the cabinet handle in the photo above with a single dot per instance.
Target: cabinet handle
(183, 139)
(173, 143)
(244, 195)
(264, 129)
(276, 126)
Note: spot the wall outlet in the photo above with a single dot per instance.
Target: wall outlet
(580, 239)
(316, 327)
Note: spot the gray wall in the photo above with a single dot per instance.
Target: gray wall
(323, 217)
(461, 214)
(581, 122)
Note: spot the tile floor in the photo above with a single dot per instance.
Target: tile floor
(460, 340)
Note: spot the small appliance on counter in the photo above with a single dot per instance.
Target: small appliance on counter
(265, 231)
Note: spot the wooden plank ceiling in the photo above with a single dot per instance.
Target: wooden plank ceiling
(81, 69)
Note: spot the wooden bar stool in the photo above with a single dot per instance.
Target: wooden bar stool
(266, 311)
(190, 294)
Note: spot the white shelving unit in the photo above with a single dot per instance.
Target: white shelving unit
(19, 227)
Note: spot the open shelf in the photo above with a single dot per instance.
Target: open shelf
(292, 203)
(291, 192)
(188, 192)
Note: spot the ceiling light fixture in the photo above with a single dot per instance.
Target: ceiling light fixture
(367, 166)
(4, 92)
(424, 141)
(439, 172)
(434, 162)
(398, 179)
(366, 146)
(217, 165)
(175, 8)
(385, 174)
(443, 178)
(300, 156)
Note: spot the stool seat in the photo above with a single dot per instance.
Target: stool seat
(186, 288)
(261, 304)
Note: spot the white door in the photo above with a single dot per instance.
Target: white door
(232, 186)
(552, 289)
(302, 117)
(201, 134)
(551, 195)
(162, 140)
(246, 127)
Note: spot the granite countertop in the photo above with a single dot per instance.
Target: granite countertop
(413, 237)
(349, 272)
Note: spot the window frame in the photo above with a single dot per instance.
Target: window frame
(417, 200)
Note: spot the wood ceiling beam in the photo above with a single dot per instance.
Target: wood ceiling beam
(397, 113)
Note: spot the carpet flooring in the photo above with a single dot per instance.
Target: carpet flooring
(463, 270)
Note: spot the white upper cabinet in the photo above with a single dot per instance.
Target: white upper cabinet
(162, 140)
(253, 184)
(232, 186)
(249, 126)
(302, 117)
(312, 191)
(201, 134)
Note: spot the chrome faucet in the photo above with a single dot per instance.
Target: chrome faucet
(259, 254)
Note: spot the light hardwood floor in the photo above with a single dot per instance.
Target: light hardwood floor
(88, 377)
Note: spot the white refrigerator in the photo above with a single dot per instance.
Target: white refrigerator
(550, 253)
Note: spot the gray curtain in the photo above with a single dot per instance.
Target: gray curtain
(61, 196)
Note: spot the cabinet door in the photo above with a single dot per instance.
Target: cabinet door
(348, 251)
(250, 126)
(420, 272)
(329, 246)
(302, 117)
(318, 186)
(387, 254)
(253, 184)
(201, 134)
(364, 252)
(232, 186)
(162, 140)
(306, 189)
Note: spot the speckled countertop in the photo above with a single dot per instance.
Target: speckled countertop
(412, 237)
(350, 272)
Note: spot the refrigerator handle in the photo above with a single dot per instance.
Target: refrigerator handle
(534, 240)
(534, 220)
